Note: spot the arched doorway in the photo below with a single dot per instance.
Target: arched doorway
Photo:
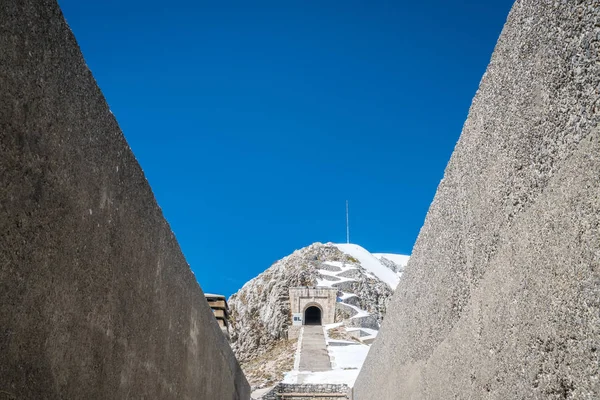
(312, 316)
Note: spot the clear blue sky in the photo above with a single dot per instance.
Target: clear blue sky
(255, 121)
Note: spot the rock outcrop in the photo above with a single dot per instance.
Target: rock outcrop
(96, 298)
(501, 298)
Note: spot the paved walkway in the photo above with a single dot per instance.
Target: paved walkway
(313, 353)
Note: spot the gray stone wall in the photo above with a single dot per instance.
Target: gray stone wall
(325, 298)
(501, 297)
(308, 388)
(96, 298)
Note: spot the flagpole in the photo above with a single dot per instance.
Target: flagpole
(347, 224)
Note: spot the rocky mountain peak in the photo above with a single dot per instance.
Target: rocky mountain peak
(260, 310)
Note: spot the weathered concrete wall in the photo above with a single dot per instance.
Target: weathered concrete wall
(501, 297)
(96, 298)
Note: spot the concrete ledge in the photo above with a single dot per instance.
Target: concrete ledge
(307, 391)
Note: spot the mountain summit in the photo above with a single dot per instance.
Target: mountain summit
(261, 313)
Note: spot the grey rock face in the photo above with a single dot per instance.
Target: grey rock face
(369, 321)
(501, 298)
(354, 300)
(343, 311)
(374, 296)
(260, 310)
(351, 273)
(96, 298)
(391, 265)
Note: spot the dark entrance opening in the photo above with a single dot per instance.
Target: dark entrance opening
(312, 316)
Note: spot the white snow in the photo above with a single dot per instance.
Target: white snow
(346, 296)
(371, 263)
(338, 264)
(370, 331)
(331, 326)
(348, 357)
(346, 361)
(327, 282)
(329, 273)
(359, 311)
(298, 350)
(334, 376)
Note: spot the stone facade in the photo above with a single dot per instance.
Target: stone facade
(97, 300)
(342, 391)
(501, 297)
(301, 298)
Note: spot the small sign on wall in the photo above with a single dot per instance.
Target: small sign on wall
(297, 319)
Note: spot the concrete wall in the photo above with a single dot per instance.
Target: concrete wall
(96, 298)
(501, 297)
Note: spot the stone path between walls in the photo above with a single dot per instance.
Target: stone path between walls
(313, 351)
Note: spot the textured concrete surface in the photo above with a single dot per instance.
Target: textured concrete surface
(96, 298)
(313, 350)
(501, 297)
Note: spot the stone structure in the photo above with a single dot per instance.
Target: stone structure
(306, 391)
(311, 306)
(96, 298)
(218, 305)
(501, 297)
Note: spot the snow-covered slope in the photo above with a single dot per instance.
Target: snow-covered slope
(260, 310)
(371, 263)
(347, 358)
